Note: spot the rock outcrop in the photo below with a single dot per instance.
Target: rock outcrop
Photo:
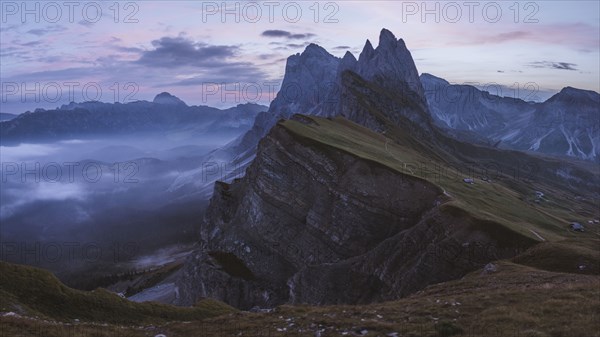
(318, 83)
(312, 223)
(309, 223)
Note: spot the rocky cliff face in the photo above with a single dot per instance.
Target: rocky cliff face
(312, 224)
(318, 83)
(307, 85)
(391, 65)
(388, 69)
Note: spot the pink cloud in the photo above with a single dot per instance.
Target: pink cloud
(578, 35)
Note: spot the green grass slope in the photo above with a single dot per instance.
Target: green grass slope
(514, 300)
(34, 292)
(497, 201)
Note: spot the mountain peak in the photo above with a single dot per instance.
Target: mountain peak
(167, 99)
(348, 62)
(315, 49)
(569, 90)
(306, 72)
(569, 93)
(386, 38)
(572, 91)
(367, 52)
(348, 58)
(390, 66)
(392, 62)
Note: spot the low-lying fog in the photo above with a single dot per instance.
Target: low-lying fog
(86, 206)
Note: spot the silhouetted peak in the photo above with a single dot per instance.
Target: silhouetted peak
(367, 52)
(386, 38)
(315, 50)
(349, 57)
(167, 99)
(570, 93)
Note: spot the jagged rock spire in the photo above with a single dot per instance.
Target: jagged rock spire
(392, 61)
(368, 52)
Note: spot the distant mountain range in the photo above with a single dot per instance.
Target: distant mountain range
(165, 114)
(567, 124)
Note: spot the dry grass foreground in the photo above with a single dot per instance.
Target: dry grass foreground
(514, 300)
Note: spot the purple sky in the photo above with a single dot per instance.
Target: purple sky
(134, 50)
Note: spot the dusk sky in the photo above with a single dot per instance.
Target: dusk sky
(188, 47)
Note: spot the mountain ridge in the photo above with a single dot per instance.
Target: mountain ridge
(313, 85)
(566, 124)
(315, 177)
(95, 119)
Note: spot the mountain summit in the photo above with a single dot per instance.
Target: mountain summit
(319, 84)
(167, 99)
(390, 62)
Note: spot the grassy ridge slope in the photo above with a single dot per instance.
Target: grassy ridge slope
(514, 300)
(497, 201)
(34, 292)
